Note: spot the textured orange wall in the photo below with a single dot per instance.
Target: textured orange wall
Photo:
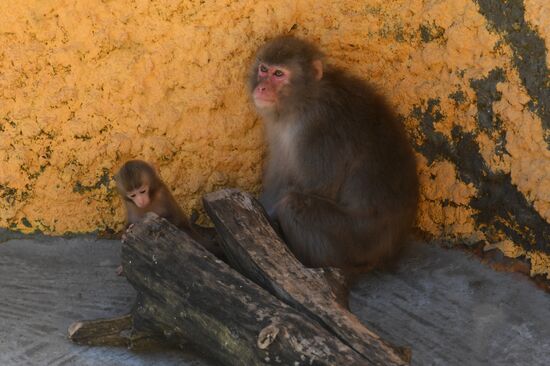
(86, 85)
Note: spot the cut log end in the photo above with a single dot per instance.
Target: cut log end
(74, 328)
(115, 332)
(104, 332)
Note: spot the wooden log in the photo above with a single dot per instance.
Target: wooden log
(252, 246)
(190, 295)
(115, 332)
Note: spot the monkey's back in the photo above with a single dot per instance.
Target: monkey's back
(380, 162)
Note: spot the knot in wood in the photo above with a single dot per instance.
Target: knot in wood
(267, 336)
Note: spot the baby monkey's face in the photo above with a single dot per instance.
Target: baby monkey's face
(140, 196)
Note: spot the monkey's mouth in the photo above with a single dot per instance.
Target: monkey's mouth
(264, 101)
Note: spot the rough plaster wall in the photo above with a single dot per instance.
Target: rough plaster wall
(86, 85)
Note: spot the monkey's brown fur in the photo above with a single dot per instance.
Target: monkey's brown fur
(135, 174)
(340, 179)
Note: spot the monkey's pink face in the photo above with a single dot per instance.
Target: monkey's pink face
(271, 81)
(140, 196)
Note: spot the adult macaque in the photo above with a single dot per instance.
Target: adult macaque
(340, 179)
(143, 191)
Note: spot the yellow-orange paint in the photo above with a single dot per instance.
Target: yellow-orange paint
(540, 262)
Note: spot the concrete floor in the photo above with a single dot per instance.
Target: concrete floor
(48, 283)
(448, 307)
(453, 310)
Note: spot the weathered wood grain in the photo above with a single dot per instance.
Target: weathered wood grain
(252, 246)
(191, 295)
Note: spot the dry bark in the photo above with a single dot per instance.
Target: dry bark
(253, 246)
(187, 295)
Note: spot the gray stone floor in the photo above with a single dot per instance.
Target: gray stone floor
(46, 284)
(451, 309)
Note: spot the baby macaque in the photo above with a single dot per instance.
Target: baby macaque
(143, 191)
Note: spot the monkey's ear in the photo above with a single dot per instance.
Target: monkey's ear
(318, 67)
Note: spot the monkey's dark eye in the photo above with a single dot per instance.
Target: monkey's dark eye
(142, 192)
(278, 73)
(263, 68)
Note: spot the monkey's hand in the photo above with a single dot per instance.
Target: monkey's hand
(124, 236)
